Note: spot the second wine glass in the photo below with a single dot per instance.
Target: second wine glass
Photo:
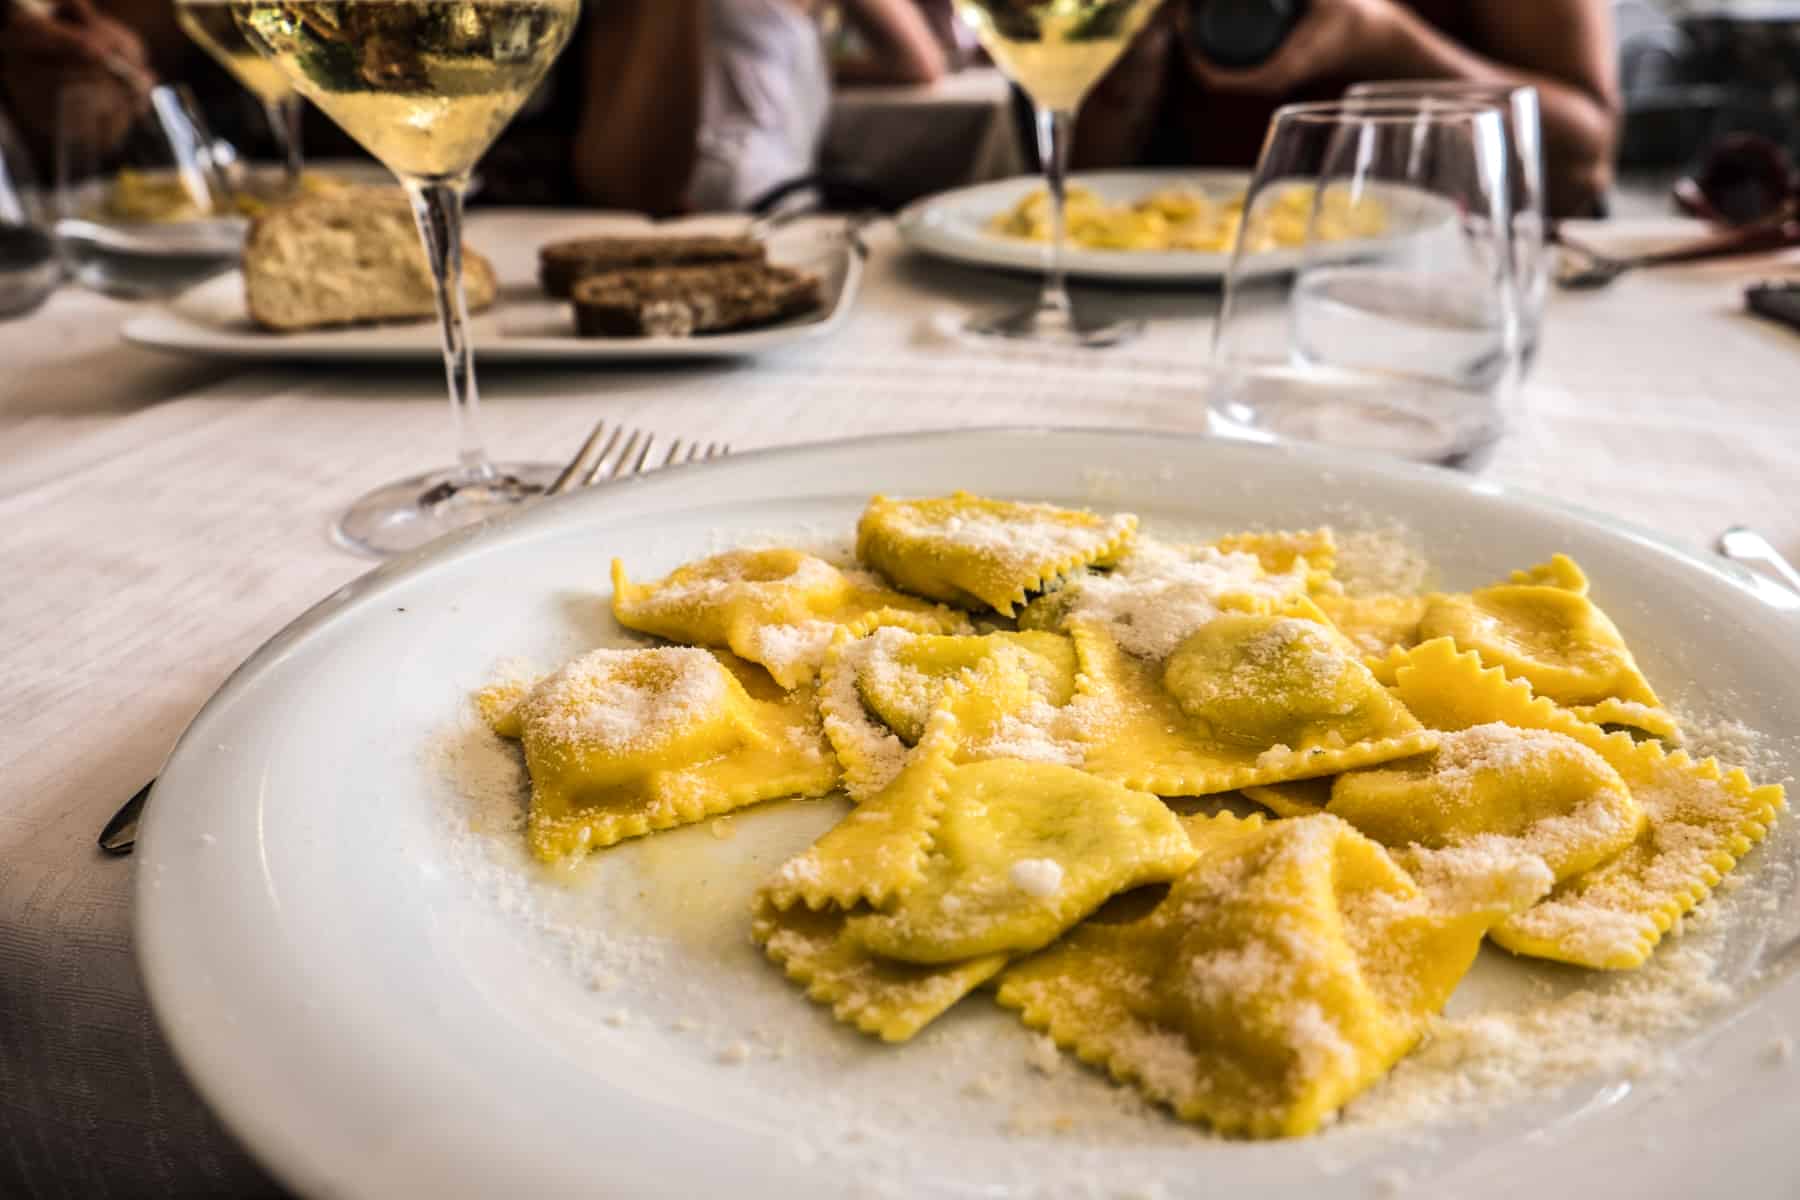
(213, 27)
(1056, 50)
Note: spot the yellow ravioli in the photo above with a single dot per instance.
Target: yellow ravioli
(981, 553)
(1280, 552)
(1541, 791)
(1022, 852)
(1560, 571)
(1376, 625)
(1225, 740)
(879, 850)
(777, 607)
(1015, 680)
(1295, 798)
(1261, 681)
(888, 1000)
(1631, 714)
(1288, 970)
(1556, 639)
(904, 679)
(623, 742)
(1699, 818)
(1158, 594)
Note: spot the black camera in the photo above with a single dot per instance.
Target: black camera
(1240, 33)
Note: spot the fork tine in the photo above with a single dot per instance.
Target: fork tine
(694, 452)
(674, 454)
(607, 465)
(643, 456)
(565, 480)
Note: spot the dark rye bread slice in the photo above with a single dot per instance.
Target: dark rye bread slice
(560, 264)
(683, 301)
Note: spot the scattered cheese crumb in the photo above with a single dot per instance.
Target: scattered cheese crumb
(1038, 877)
(734, 1054)
(722, 828)
(1391, 1182)
(1043, 1057)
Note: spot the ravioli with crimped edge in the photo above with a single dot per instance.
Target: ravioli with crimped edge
(1022, 700)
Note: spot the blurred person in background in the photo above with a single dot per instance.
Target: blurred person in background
(46, 48)
(707, 104)
(658, 106)
(1166, 104)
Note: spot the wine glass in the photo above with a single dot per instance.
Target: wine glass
(213, 27)
(1393, 327)
(1525, 141)
(1056, 50)
(425, 86)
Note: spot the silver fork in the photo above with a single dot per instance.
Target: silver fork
(603, 456)
(610, 452)
(1741, 544)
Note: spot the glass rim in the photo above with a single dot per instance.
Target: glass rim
(1394, 110)
(1400, 89)
(1435, 87)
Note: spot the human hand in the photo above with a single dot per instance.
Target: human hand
(1335, 39)
(52, 47)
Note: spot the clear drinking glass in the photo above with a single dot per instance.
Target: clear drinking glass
(29, 269)
(1056, 50)
(1525, 175)
(141, 208)
(1393, 326)
(212, 27)
(425, 86)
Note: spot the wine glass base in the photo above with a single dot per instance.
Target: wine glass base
(405, 515)
(1050, 326)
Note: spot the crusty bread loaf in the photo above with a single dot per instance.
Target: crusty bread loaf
(683, 301)
(560, 264)
(346, 258)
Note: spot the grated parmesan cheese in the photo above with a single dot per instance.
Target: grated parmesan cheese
(1161, 593)
(1040, 878)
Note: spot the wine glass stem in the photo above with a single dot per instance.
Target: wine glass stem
(1053, 148)
(284, 119)
(437, 206)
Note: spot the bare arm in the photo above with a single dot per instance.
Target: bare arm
(1564, 48)
(643, 68)
(902, 48)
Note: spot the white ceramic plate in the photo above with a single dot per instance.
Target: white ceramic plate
(524, 325)
(954, 225)
(382, 1002)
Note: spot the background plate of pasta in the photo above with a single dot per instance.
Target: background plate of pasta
(1002, 813)
(1145, 226)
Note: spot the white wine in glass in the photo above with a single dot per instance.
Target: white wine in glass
(425, 86)
(214, 29)
(1056, 50)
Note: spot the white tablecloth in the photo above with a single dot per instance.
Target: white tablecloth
(160, 518)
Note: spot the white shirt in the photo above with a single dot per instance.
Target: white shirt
(767, 94)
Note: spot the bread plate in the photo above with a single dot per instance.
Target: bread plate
(954, 226)
(377, 1006)
(523, 326)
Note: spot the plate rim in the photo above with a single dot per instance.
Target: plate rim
(164, 329)
(265, 1135)
(921, 231)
